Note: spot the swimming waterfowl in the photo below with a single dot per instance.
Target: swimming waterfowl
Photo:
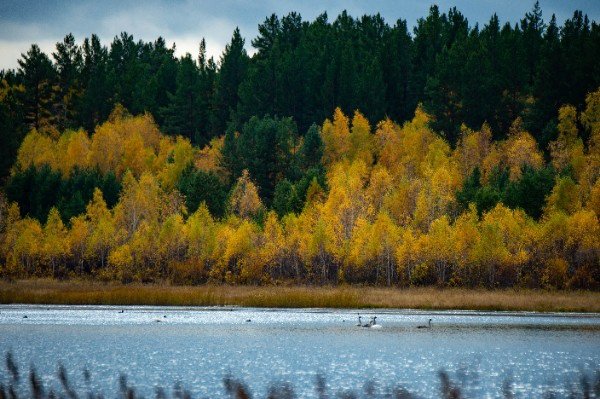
(373, 323)
(426, 326)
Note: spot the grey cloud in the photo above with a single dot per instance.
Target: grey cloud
(185, 22)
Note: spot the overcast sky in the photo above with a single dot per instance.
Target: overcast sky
(185, 22)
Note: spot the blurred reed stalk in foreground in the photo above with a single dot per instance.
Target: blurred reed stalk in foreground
(11, 387)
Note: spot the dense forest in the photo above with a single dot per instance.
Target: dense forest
(346, 151)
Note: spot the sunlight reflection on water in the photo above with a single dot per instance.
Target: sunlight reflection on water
(158, 346)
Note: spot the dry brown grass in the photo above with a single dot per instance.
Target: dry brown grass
(95, 293)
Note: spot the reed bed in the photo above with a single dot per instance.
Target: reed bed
(96, 293)
(15, 384)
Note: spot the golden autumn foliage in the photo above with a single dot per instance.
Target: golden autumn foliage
(567, 149)
(565, 197)
(181, 155)
(472, 148)
(56, 245)
(103, 234)
(590, 118)
(387, 215)
(123, 143)
(336, 137)
(516, 152)
(244, 200)
(361, 139)
(209, 158)
(37, 150)
(22, 243)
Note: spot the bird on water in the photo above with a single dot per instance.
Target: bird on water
(359, 321)
(373, 323)
(428, 325)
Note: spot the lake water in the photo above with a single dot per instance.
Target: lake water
(200, 346)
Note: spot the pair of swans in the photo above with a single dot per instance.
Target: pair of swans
(371, 324)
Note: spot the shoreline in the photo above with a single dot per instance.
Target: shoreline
(83, 292)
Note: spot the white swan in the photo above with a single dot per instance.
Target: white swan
(426, 326)
(359, 321)
(373, 323)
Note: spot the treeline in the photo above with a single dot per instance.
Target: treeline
(349, 202)
(128, 163)
(304, 69)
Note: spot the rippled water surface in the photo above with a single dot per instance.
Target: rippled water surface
(159, 346)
